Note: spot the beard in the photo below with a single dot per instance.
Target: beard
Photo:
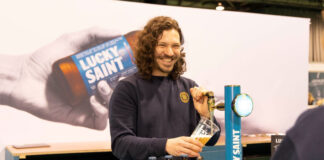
(165, 69)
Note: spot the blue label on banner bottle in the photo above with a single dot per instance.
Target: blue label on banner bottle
(108, 61)
(79, 74)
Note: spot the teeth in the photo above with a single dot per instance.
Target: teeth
(167, 59)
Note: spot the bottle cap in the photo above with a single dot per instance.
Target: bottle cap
(152, 158)
(168, 157)
(184, 155)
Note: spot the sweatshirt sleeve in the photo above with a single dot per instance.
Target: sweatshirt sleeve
(123, 127)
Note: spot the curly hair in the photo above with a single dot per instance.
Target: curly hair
(147, 41)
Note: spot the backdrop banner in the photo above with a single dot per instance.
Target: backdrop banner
(267, 55)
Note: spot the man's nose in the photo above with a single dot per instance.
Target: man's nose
(169, 51)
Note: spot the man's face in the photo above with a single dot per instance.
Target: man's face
(167, 52)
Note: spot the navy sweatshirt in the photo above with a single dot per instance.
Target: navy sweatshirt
(305, 140)
(144, 113)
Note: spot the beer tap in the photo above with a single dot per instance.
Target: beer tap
(211, 104)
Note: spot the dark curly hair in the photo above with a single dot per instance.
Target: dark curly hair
(147, 41)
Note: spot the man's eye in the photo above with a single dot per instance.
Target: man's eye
(176, 46)
(162, 45)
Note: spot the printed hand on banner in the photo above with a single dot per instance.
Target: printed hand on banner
(37, 93)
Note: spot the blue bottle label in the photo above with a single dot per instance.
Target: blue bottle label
(108, 61)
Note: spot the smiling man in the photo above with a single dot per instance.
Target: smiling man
(167, 53)
(153, 112)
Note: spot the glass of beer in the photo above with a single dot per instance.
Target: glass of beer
(204, 130)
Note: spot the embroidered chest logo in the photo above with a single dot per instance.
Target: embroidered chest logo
(184, 97)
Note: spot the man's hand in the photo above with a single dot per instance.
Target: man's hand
(183, 145)
(200, 101)
(36, 92)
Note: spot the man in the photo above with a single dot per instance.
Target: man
(152, 112)
(304, 141)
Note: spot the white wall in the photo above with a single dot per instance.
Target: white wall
(266, 55)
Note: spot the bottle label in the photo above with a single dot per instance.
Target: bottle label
(108, 61)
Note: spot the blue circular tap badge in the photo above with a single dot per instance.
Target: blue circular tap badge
(242, 105)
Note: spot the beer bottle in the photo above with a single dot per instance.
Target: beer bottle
(78, 74)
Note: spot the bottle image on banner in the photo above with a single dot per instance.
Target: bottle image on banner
(79, 73)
